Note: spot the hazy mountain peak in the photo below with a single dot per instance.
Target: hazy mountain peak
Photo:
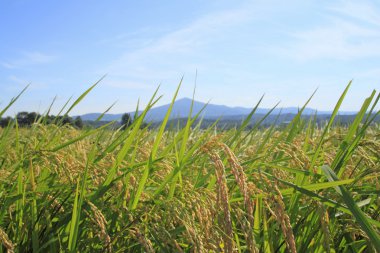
(181, 109)
(186, 99)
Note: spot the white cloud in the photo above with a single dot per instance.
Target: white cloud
(173, 53)
(20, 82)
(17, 80)
(28, 59)
(360, 10)
(339, 37)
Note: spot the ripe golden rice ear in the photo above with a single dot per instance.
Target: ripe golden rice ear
(178, 247)
(324, 220)
(195, 238)
(294, 151)
(55, 203)
(241, 180)
(4, 239)
(145, 242)
(222, 198)
(283, 219)
(239, 175)
(100, 221)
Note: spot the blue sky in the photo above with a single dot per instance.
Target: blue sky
(240, 49)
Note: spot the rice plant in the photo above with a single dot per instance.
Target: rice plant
(302, 188)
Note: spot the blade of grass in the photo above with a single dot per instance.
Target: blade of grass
(13, 100)
(360, 217)
(153, 153)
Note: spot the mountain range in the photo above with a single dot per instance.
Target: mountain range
(181, 109)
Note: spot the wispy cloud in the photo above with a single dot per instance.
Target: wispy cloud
(28, 59)
(17, 82)
(359, 10)
(344, 34)
(175, 52)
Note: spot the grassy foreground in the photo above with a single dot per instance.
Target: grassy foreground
(305, 188)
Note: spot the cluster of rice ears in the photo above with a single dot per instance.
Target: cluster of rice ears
(302, 188)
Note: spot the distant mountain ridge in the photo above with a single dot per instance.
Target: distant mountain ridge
(182, 106)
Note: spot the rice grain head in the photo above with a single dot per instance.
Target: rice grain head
(222, 196)
(4, 239)
(98, 218)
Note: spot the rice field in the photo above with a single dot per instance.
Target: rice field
(302, 188)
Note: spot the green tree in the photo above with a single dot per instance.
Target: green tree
(66, 120)
(78, 123)
(26, 119)
(4, 122)
(126, 120)
(32, 117)
(22, 119)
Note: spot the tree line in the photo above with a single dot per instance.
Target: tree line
(26, 119)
